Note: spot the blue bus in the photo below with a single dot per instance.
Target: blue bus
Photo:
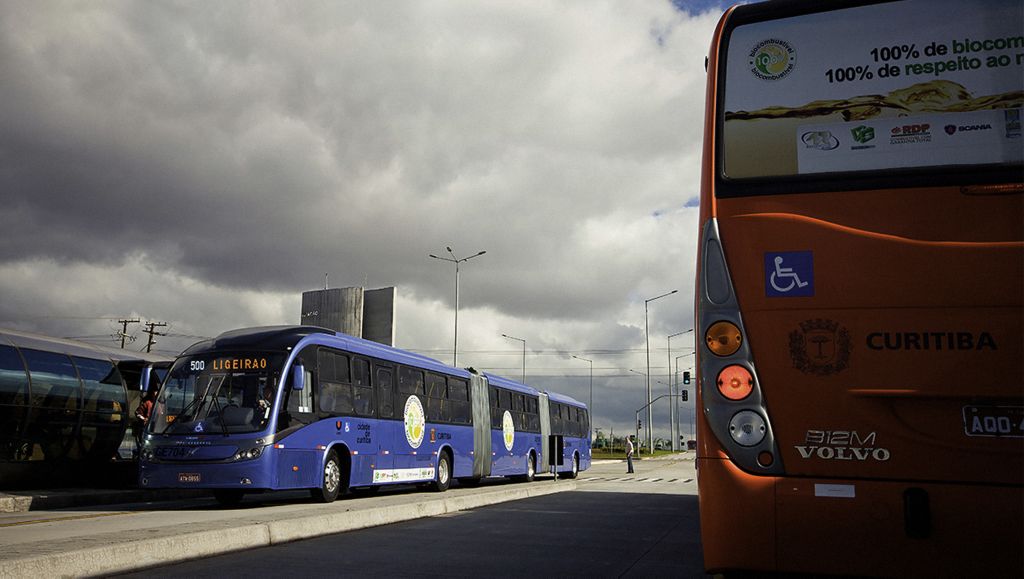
(301, 407)
(66, 408)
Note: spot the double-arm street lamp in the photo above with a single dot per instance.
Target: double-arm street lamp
(648, 406)
(674, 402)
(456, 261)
(591, 408)
(647, 336)
(524, 352)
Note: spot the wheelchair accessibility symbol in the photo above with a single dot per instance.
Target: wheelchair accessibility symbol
(789, 274)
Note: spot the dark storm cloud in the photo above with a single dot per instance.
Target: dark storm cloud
(204, 163)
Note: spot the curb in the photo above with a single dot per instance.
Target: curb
(120, 556)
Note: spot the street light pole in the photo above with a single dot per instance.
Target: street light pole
(641, 410)
(524, 352)
(591, 408)
(647, 338)
(456, 261)
(673, 406)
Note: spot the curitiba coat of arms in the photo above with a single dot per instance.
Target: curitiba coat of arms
(820, 347)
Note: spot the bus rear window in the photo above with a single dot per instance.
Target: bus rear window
(872, 89)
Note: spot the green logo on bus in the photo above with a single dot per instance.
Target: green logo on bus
(863, 134)
(415, 422)
(772, 59)
(508, 430)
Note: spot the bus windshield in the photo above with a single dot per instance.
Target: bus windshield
(218, 394)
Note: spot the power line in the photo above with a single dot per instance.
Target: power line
(151, 330)
(124, 330)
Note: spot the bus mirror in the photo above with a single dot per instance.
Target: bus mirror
(298, 377)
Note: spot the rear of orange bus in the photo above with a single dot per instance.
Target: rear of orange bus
(859, 290)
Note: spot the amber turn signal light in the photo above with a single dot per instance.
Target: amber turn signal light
(723, 338)
(735, 382)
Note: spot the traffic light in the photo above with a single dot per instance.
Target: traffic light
(639, 424)
(686, 395)
(686, 377)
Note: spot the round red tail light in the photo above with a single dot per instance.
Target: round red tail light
(735, 382)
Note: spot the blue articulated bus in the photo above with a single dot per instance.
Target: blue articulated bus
(300, 407)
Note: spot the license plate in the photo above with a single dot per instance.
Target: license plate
(189, 477)
(997, 421)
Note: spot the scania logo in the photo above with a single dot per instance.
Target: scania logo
(950, 129)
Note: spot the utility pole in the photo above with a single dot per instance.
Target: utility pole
(151, 330)
(124, 329)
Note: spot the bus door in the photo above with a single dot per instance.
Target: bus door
(387, 427)
(545, 430)
(481, 426)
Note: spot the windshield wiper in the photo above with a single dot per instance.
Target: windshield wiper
(220, 413)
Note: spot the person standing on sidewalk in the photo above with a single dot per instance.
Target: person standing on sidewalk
(629, 454)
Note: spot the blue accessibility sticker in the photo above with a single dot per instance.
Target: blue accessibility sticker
(789, 274)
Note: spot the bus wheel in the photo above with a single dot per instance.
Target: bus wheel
(531, 467)
(444, 473)
(575, 472)
(228, 497)
(331, 482)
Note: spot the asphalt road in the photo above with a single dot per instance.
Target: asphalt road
(613, 525)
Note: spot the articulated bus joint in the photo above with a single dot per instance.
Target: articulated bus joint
(731, 395)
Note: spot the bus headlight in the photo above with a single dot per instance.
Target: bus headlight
(747, 428)
(249, 453)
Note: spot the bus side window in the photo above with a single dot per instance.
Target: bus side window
(301, 401)
(495, 410)
(385, 393)
(458, 398)
(362, 391)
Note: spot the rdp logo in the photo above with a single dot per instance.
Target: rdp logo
(911, 129)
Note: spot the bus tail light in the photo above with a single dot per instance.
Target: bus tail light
(735, 382)
(730, 392)
(723, 338)
(747, 428)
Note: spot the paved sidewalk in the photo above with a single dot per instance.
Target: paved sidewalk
(76, 543)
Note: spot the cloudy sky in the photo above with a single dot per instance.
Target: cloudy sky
(202, 164)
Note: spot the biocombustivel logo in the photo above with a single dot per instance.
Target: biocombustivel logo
(772, 59)
(508, 430)
(415, 421)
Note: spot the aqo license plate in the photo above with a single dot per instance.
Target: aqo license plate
(999, 421)
(189, 477)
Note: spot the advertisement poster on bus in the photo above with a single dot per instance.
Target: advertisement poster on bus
(905, 84)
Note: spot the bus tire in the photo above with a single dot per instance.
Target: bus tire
(531, 467)
(330, 480)
(228, 497)
(575, 472)
(444, 473)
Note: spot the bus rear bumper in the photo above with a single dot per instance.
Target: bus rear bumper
(855, 527)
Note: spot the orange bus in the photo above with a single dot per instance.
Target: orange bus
(859, 290)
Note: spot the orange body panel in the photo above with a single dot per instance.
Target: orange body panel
(920, 293)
